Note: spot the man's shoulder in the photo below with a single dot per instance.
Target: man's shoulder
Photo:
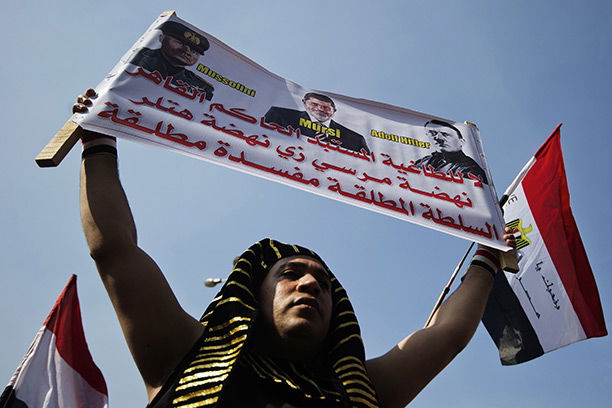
(463, 160)
(343, 129)
(470, 165)
(351, 139)
(143, 54)
(197, 80)
(285, 111)
(284, 116)
(346, 132)
(424, 159)
(194, 81)
(467, 159)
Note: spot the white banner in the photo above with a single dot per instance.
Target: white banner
(182, 89)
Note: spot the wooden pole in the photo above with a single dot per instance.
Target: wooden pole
(59, 146)
(448, 285)
(507, 260)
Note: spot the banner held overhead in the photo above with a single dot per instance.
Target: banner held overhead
(180, 88)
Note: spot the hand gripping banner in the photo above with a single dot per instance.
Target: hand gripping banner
(182, 89)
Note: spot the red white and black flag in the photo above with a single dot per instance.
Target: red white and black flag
(57, 370)
(553, 300)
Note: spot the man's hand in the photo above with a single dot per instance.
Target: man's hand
(84, 101)
(509, 237)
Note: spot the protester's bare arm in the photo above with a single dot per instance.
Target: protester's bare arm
(158, 331)
(405, 370)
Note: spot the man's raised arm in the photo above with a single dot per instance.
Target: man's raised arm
(158, 331)
(405, 370)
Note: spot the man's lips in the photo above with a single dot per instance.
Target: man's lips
(308, 301)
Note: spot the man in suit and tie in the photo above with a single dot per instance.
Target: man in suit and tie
(316, 121)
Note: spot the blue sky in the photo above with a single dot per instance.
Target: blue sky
(517, 69)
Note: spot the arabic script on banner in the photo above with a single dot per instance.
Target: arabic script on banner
(182, 89)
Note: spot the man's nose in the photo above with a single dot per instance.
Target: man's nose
(185, 47)
(309, 284)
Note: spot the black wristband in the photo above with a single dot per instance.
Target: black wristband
(101, 148)
(485, 266)
(485, 259)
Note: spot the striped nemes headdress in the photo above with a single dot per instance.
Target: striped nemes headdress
(228, 320)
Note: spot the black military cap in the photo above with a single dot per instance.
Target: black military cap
(185, 35)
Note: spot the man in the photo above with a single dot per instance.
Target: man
(180, 48)
(448, 140)
(316, 121)
(280, 334)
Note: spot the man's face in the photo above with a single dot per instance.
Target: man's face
(296, 301)
(178, 53)
(320, 110)
(444, 139)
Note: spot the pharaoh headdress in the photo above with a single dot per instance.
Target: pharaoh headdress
(229, 319)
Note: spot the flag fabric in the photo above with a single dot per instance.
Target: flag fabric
(553, 300)
(57, 370)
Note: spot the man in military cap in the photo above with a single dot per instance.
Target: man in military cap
(180, 48)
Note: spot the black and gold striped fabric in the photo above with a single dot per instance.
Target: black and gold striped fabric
(229, 321)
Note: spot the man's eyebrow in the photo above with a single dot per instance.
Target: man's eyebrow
(319, 269)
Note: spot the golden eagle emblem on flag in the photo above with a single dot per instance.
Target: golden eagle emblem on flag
(517, 226)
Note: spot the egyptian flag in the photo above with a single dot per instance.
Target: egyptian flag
(57, 370)
(553, 300)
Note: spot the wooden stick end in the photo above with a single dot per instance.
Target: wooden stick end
(59, 146)
(508, 261)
